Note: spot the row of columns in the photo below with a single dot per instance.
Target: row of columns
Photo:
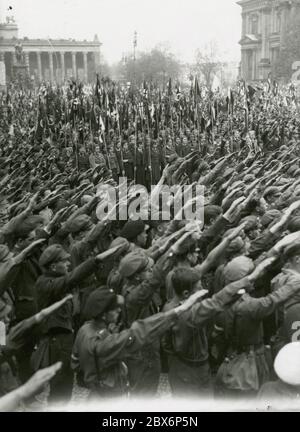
(51, 67)
(249, 64)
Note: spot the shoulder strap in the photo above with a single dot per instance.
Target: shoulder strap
(96, 360)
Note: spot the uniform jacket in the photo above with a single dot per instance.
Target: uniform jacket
(187, 339)
(95, 343)
(51, 288)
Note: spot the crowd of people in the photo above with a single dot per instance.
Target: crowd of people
(110, 304)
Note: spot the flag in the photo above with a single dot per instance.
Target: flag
(11, 130)
(152, 111)
(246, 109)
(145, 90)
(177, 91)
(98, 90)
(212, 114)
(230, 101)
(251, 92)
(169, 86)
(269, 84)
(101, 124)
(197, 92)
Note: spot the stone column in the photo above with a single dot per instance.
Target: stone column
(243, 64)
(62, 62)
(244, 24)
(2, 70)
(254, 65)
(97, 61)
(74, 69)
(39, 64)
(14, 57)
(265, 27)
(283, 9)
(85, 68)
(51, 66)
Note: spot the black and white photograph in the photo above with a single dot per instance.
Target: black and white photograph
(149, 208)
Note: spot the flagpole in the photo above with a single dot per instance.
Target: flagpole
(121, 150)
(134, 56)
(150, 139)
(106, 151)
(135, 150)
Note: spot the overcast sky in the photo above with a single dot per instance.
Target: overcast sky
(184, 24)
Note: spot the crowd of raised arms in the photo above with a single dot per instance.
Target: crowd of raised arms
(112, 304)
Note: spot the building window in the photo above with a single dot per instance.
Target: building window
(254, 24)
(277, 22)
(274, 54)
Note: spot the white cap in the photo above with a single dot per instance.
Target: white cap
(287, 364)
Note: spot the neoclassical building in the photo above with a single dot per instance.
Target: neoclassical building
(264, 27)
(48, 59)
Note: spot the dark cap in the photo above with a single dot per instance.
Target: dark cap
(52, 254)
(203, 166)
(269, 216)
(79, 223)
(291, 251)
(272, 190)
(294, 224)
(251, 222)
(28, 225)
(184, 278)
(132, 229)
(228, 172)
(133, 262)
(235, 246)
(120, 241)
(249, 178)
(291, 171)
(211, 211)
(237, 269)
(99, 301)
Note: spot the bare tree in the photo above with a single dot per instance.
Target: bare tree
(208, 63)
(157, 65)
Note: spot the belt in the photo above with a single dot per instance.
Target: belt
(191, 363)
(248, 348)
(57, 331)
(292, 305)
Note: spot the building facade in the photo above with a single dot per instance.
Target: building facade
(52, 60)
(265, 24)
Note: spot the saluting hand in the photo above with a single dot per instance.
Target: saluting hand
(194, 298)
(44, 313)
(36, 383)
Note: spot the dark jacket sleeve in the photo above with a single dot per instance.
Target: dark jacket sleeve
(261, 244)
(142, 332)
(206, 309)
(141, 294)
(262, 307)
(21, 334)
(58, 286)
(8, 272)
(218, 197)
(213, 232)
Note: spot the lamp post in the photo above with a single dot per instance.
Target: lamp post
(134, 53)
